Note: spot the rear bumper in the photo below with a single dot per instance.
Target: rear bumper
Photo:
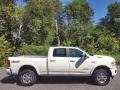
(113, 71)
(9, 71)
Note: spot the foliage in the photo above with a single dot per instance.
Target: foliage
(10, 19)
(96, 40)
(33, 50)
(112, 20)
(5, 50)
(79, 10)
(40, 20)
(117, 57)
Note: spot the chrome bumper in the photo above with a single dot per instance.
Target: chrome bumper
(9, 71)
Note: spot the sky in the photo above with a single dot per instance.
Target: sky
(99, 7)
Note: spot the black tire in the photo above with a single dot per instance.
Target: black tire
(27, 77)
(101, 77)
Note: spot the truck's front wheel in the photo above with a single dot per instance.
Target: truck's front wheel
(27, 77)
(101, 77)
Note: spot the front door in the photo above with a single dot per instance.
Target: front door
(78, 63)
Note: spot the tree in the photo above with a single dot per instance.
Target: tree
(10, 17)
(5, 50)
(78, 16)
(6, 9)
(39, 21)
(111, 21)
(79, 10)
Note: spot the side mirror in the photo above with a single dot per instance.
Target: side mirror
(84, 56)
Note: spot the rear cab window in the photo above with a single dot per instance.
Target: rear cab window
(59, 52)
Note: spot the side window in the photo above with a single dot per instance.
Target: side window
(75, 53)
(59, 52)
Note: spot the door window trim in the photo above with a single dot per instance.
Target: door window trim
(68, 51)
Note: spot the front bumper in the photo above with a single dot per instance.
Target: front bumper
(113, 71)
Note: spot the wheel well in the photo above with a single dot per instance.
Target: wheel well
(28, 67)
(103, 67)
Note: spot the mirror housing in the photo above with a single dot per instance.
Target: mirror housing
(84, 56)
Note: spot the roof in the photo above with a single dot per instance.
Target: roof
(64, 47)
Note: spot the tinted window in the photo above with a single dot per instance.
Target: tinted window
(59, 52)
(75, 53)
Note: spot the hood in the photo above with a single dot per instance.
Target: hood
(102, 57)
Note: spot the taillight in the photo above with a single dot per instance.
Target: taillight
(7, 63)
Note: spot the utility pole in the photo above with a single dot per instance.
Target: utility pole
(57, 33)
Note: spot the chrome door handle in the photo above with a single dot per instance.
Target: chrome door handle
(72, 61)
(52, 60)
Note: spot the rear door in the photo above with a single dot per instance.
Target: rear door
(58, 63)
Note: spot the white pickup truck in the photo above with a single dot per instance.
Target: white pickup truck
(62, 61)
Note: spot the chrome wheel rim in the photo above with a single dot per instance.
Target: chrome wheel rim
(102, 78)
(27, 78)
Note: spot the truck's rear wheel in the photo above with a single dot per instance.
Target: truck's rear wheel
(101, 77)
(27, 77)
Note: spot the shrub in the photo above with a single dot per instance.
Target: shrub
(32, 50)
(117, 58)
(5, 50)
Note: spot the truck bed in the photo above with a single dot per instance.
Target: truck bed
(31, 56)
(38, 62)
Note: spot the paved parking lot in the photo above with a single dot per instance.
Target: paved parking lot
(57, 83)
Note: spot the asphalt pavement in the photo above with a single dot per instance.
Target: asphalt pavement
(57, 83)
